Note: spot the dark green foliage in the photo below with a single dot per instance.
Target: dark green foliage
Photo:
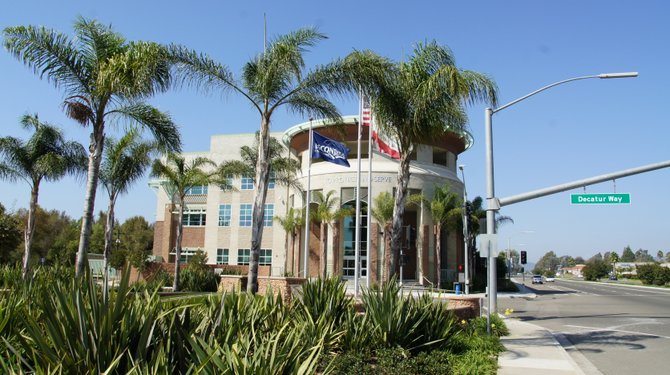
(595, 269)
(653, 274)
(196, 280)
(10, 236)
(198, 276)
(59, 324)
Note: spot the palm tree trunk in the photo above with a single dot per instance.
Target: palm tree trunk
(109, 231)
(177, 251)
(438, 254)
(94, 159)
(399, 209)
(262, 175)
(322, 248)
(30, 228)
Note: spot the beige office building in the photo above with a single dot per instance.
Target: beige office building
(219, 223)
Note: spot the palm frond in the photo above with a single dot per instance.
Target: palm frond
(160, 124)
(50, 54)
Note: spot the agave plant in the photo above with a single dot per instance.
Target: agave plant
(76, 332)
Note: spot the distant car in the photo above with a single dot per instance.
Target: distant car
(613, 277)
(550, 279)
(537, 279)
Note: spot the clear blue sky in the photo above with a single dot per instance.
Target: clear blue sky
(568, 133)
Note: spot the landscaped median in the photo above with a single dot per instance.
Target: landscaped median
(59, 324)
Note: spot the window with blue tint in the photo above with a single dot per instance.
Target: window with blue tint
(197, 190)
(194, 217)
(265, 258)
(271, 182)
(268, 215)
(245, 215)
(224, 215)
(247, 183)
(221, 256)
(243, 256)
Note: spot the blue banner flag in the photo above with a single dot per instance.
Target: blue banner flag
(329, 150)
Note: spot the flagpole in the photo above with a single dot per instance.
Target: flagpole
(369, 217)
(307, 199)
(357, 248)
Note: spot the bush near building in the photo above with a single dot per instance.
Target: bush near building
(653, 274)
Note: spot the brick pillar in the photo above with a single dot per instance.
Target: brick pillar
(337, 251)
(373, 255)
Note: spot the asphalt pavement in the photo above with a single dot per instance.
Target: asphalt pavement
(532, 349)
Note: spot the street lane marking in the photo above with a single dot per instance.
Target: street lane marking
(597, 329)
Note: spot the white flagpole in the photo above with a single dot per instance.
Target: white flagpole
(357, 248)
(307, 199)
(369, 217)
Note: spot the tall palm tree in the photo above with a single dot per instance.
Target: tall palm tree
(327, 212)
(276, 78)
(104, 77)
(442, 209)
(291, 223)
(382, 212)
(425, 96)
(124, 163)
(284, 169)
(180, 175)
(45, 156)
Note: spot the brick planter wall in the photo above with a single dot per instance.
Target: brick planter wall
(464, 307)
(283, 285)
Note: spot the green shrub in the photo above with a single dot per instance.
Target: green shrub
(197, 280)
(653, 274)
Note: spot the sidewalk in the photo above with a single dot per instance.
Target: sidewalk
(533, 350)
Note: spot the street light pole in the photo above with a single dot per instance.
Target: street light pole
(493, 204)
(465, 232)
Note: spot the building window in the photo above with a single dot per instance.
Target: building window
(224, 215)
(197, 190)
(271, 182)
(221, 256)
(268, 214)
(185, 255)
(243, 256)
(265, 258)
(245, 215)
(194, 217)
(247, 183)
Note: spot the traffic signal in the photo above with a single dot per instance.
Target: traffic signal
(460, 268)
(523, 256)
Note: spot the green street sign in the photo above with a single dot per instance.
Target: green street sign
(600, 198)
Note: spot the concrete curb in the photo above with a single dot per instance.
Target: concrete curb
(531, 349)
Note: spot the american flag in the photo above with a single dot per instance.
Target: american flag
(384, 144)
(366, 116)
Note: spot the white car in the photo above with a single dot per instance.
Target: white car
(549, 279)
(537, 279)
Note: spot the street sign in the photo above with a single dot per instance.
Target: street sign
(488, 242)
(600, 198)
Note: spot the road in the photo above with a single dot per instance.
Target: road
(618, 329)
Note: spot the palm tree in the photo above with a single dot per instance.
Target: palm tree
(277, 78)
(442, 209)
(124, 163)
(327, 212)
(291, 223)
(283, 169)
(45, 156)
(104, 77)
(382, 212)
(179, 176)
(425, 96)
